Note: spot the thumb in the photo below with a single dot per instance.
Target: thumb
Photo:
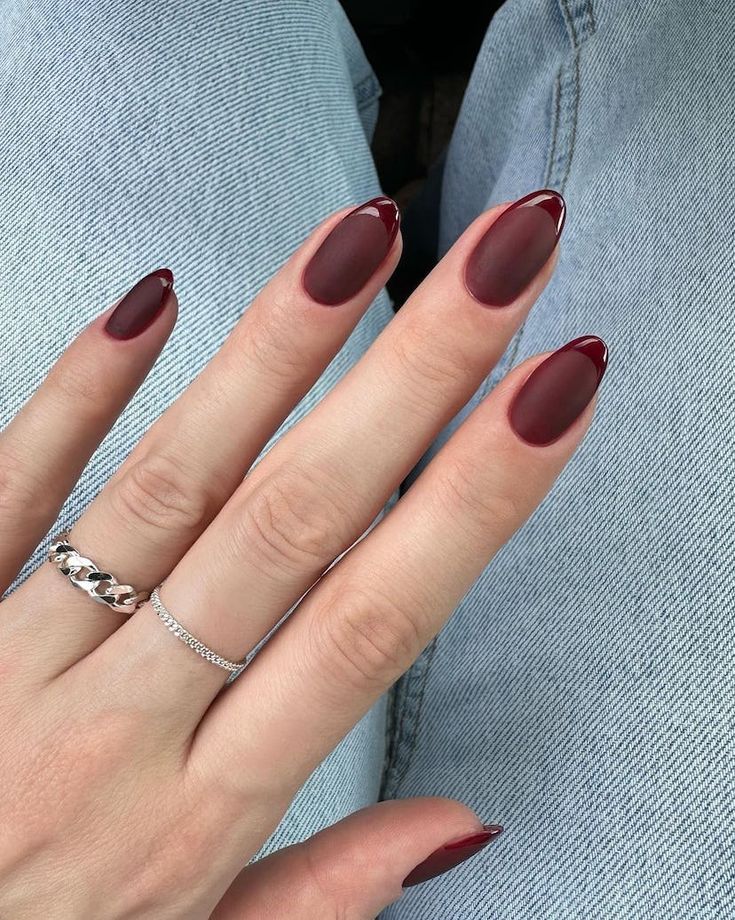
(360, 865)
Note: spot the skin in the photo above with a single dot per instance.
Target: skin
(133, 784)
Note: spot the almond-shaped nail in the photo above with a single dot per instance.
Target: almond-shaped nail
(558, 390)
(351, 253)
(140, 307)
(452, 854)
(515, 248)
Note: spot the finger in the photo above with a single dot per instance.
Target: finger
(327, 479)
(44, 449)
(371, 615)
(361, 865)
(194, 456)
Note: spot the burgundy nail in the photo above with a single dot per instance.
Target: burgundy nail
(452, 854)
(515, 248)
(141, 305)
(349, 256)
(558, 391)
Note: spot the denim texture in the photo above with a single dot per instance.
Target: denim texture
(583, 692)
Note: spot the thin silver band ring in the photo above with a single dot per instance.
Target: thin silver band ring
(194, 644)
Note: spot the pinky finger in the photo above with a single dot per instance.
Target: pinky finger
(45, 447)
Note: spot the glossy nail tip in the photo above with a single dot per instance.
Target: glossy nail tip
(452, 854)
(352, 252)
(594, 348)
(558, 391)
(550, 201)
(515, 248)
(387, 211)
(140, 307)
(166, 277)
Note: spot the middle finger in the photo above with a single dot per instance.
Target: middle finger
(327, 479)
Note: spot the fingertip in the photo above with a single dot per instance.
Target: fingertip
(557, 390)
(139, 309)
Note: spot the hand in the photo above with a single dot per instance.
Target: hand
(135, 784)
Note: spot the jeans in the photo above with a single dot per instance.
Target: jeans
(583, 692)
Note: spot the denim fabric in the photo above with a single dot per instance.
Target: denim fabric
(583, 693)
(210, 137)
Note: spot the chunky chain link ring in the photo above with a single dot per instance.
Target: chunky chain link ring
(186, 637)
(99, 585)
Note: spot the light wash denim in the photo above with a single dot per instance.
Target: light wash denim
(583, 693)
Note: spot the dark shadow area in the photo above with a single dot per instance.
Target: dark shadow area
(422, 54)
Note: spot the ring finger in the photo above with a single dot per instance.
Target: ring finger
(186, 466)
(45, 447)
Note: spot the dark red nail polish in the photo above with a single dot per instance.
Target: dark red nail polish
(349, 256)
(141, 305)
(452, 854)
(515, 248)
(558, 391)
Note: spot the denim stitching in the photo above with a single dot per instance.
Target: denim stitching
(404, 763)
(575, 114)
(579, 19)
(592, 20)
(408, 721)
(367, 90)
(554, 129)
(569, 87)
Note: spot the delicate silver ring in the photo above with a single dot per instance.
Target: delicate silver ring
(84, 574)
(199, 647)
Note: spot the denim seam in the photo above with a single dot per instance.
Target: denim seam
(579, 19)
(367, 90)
(404, 763)
(408, 693)
(592, 20)
(555, 127)
(580, 22)
(406, 715)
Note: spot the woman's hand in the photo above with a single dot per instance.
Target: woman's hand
(133, 784)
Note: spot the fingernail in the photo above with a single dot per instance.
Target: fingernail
(559, 390)
(141, 305)
(515, 248)
(349, 256)
(452, 854)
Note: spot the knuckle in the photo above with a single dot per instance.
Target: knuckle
(294, 521)
(158, 492)
(322, 882)
(276, 351)
(371, 638)
(428, 362)
(464, 487)
(80, 387)
(21, 495)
